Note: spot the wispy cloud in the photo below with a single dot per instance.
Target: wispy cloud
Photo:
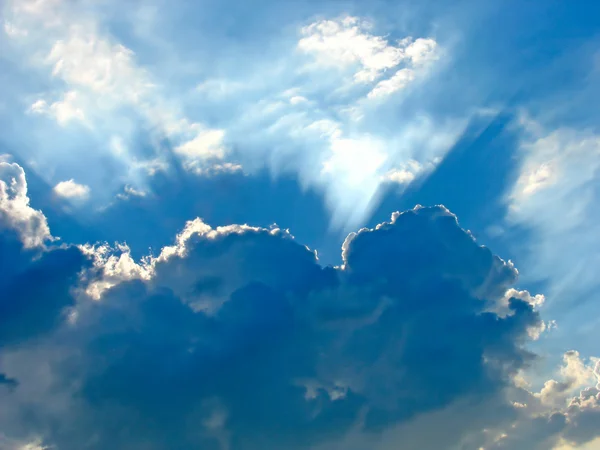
(554, 196)
(309, 120)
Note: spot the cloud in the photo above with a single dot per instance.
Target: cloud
(396, 82)
(15, 213)
(235, 337)
(97, 81)
(206, 145)
(63, 111)
(407, 173)
(557, 178)
(71, 190)
(348, 42)
(35, 280)
(129, 192)
(309, 121)
(558, 416)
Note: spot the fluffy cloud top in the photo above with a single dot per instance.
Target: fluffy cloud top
(15, 213)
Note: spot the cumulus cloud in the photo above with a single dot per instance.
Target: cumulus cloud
(71, 190)
(35, 280)
(565, 414)
(15, 213)
(235, 337)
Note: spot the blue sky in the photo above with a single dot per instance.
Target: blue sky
(182, 186)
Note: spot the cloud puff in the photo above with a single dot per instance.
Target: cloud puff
(63, 111)
(15, 213)
(71, 190)
(348, 42)
(235, 337)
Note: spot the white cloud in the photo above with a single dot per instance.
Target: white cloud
(130, 191)
(288, 126)
(88, 61)
(71, 190)
(63, 111)
(566, 157)
(106, 89)
(206, 144)
(15, 212)
(396, 82)
(113, 265)
(347, 42)
(408, 171)
(298, 99)
(39, 107)
(535, 179)
(400, 176)
(421, 51)
(106, 78)
(558, 172)
(214, 169)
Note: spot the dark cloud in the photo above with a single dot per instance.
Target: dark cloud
(240, 339)
(36, 288)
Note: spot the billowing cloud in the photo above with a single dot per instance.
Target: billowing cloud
(15, 213)
(564, 414)
(235, 337)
